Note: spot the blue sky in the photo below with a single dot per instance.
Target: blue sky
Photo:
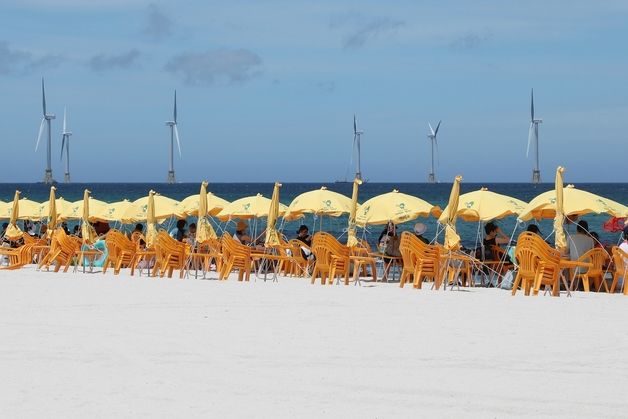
(267, 90)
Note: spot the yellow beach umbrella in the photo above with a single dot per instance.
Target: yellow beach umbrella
(52, 212)
(28, 210)
(452, 239)
(352, 239)
(13, 231)
(112, 212)
(151, 220)
(575, 202)
(395, 207)
(87, 231)
(320, 202)
(272, 236)
(559, 216)
(204, 230)
(484, 205)
(190, 205)
(249, 207)
(163, 206)
(61, 207)
(76, 211)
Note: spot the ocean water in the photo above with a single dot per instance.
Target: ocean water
(437, 194)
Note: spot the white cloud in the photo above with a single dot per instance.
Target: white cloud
(234, 66)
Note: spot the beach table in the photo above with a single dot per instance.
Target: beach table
(40, 250)
(265, 259)
(199, 255)
(389, 262)
(567, 265)
(464, 263)
(90, 255)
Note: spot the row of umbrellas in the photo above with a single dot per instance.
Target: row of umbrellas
(481, 205)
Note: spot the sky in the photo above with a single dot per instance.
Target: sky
(267, 90)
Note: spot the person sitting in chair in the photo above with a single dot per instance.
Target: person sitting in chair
(493, 237)
(241, 233)
(178, 233)
(303, 235)
(137, 234)
(419, 231)
(581, 242)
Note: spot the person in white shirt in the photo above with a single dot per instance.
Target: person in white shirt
(624, 245)
(581, 242)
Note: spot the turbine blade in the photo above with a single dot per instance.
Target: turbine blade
(62, 147)
(530, 134)
(431, 129)
(175, 107)
(176, 135)
(532, 105)
(41, 131)
(355, 126)
(64, 120)
(43, 96)
(437, 127)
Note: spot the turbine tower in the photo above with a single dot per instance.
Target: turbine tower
(356, 146)
(65, 143)
(45, 120)
(534, 134)
(174, 134)
(431, 178)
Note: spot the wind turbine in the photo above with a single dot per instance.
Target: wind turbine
(174, 134)
(45, 120)
(431, 178)
(65, 143)
(534, 134)
(356, 145)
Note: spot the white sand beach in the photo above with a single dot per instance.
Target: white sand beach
(93, 345)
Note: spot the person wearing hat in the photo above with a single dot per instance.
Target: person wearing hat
(419, 231)
(240, 234)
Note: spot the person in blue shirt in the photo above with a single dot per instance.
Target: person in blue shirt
(179, 233)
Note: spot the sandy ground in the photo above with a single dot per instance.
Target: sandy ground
(93, 345)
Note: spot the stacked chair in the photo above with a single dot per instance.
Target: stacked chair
(621, 269)
(235, 256)
(170, 255)
(334, 260)
(63, 248)
(420, 261)
(122, 252)
(538, 264)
